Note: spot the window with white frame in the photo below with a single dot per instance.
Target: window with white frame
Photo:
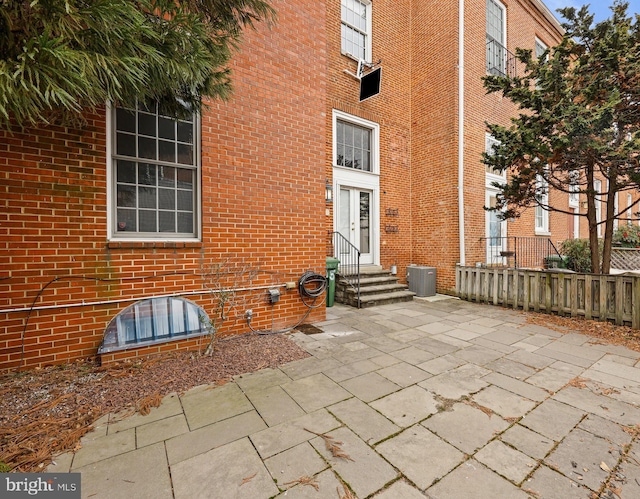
(490, 143)
(597, 187)
(574, 189)
(496, 38)
(356, 28)
(541, 212)
(353, 146)
(155, 174)
(540, 48)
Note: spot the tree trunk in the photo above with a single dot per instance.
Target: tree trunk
(608, 227)
(593, 224)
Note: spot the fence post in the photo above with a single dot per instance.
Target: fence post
(588, 297)
(619, 299)
(574, 295)
(635, 303)
(535, 291)
(525, 292)
(496, 281)
(602, 305)
(560, 294)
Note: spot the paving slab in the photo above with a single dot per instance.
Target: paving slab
(528, 441)
(511, 368)
(451, 385)
(400, 490)
(579, 455)
(315, 392)
(293, 464)
(105, 447)
(632, 374)
(367, 423)
(274, 405)
(407, 335)
(370, 386)
(547, 483)
(492, 345)
(260, 380)
(327, 486)
(507, 337)
(161, 430)
(507, 462)
(170, 406)
(473, 479)
(601, 405)
(452, 340)
(550, 379)
(516, 386)
(434, 347)
(413, 355)
(478, 355)
(276, 439)
(365, 471)
(466, 427)
(553, 419)
(206, 406)
(123, 476)
(408, 406)
(404, 374)
(214, 435)
(608, 430)
(530, 359)
(436, 327)
(420, 455)
(504, 403)
(233, 471)
(309, 366)
(385, 344)
(441, 364)
(384, 360)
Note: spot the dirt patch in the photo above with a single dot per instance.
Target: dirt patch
(45, 412)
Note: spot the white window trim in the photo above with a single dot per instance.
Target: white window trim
(574, 191)
(375, 141)
(542, 230)
(111, 185)
(542, 44)
(597, 187)
(504, 26)
(368, 57)
(489, 140)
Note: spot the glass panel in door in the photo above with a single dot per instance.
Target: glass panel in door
(354, 221)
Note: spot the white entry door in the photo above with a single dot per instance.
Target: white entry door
(355, 220)
(496, 234)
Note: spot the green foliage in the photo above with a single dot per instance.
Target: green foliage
(627, 236)
(63, 57)
(4, 468)
(579, 253)
(579, 120)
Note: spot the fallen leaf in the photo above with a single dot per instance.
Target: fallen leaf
(604, 467)
(248, 479)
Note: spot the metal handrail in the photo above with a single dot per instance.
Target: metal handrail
(518, 252)
(500, 61)
(349, 256)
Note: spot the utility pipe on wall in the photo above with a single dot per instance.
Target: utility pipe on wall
(461, 129)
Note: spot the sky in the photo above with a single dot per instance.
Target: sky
(598, 7)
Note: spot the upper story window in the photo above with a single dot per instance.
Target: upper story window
(155, 175)
(490, 142)
(541, 47)
(574, 189)
(500, 62)
(356, 28)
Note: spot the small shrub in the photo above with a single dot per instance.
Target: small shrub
(578, 252)
(627, 236)
(4, 468)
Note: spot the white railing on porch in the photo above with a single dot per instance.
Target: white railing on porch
(613, 298)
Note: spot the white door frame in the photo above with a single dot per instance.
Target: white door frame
(493, 255)
(344, 177)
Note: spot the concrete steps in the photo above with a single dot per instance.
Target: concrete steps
(377, 287)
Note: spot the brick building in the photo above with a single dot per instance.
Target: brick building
(131, 206)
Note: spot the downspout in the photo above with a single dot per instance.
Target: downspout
(461, 129)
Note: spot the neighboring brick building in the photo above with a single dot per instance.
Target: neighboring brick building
(244, 187)
(131, 206)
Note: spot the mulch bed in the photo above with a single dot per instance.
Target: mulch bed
(45, 412)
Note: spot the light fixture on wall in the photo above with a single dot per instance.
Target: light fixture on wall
(328, 192)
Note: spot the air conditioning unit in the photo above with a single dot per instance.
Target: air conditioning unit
(422, 280)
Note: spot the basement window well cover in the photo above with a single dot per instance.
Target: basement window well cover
(157, 320)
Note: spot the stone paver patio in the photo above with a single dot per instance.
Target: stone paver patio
(438, 399)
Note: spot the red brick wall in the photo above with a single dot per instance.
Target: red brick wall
(391, 32)
(262, 205)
